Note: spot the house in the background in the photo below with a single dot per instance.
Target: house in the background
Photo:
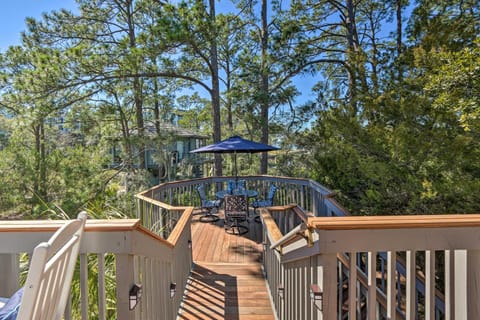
(167, 152)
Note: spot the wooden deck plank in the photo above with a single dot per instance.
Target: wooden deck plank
(227, 281)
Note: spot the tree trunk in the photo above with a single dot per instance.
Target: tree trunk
(264, 102)
(137, 90)
(217, 135)
(39, 184)
(156, 106)
(398, 10)
(228, 86)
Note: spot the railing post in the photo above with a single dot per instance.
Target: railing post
(125, 279)
(473, 284)
(9, 265)
(329, 280)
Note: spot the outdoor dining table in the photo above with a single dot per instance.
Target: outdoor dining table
(249, 193)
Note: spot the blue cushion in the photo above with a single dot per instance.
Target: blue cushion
(10, 309)
(262, 203)
(211, 203)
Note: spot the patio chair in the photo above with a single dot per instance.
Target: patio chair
(241, 184)
(267, 202)
(207, 206)
(49, 277)
(236, 211)
(236, 187)
(231, 185)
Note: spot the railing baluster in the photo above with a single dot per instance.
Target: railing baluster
(411, 295)
(84, 286)
(372, 285)
(391, 285)
(340, 289)
(429, 285)
(352, 287)
(101, 287)
(449, 284)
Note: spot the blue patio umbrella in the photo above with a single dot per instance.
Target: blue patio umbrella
(235, 145)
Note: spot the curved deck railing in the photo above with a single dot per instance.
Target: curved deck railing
(158, 209)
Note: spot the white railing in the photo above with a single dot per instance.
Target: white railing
(114, 255)
(337, 241)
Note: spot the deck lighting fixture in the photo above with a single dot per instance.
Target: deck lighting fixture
(281, 290)
(316, 295)
(173, 289)
(265, 246)
(189, 244)
(134, 296)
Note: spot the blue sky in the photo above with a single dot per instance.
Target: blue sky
(14, 12)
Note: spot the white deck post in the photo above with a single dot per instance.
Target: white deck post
(125, 279)
(329, 286)
(473, 284)
(9, 264)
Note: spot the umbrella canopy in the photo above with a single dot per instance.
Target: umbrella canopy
(235, 145)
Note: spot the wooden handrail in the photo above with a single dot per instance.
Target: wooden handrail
(294, 234)
(106, 225)
(302, 214)
(160, 203)
(270, 225)
(91, 225)
(395, 222)
(180, 226)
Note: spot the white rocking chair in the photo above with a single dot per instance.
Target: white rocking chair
(50, 275)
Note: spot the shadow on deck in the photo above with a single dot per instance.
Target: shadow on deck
(227, 281)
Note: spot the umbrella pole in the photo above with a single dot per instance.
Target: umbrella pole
(235, 166)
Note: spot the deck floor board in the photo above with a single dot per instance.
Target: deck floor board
(227, 281)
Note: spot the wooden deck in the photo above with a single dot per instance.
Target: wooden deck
(227, 281)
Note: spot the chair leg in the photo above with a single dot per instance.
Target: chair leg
(209, 217)
(257, 216)
(241, 229)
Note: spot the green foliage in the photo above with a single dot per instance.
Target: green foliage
(393, 126)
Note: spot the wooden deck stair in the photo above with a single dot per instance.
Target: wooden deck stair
(227, 281)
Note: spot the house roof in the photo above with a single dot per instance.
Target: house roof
(175, 130)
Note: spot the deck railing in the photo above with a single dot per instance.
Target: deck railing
(369, 292)
(122, 249)
(158, 207)
(356, 262)
(307, 194)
